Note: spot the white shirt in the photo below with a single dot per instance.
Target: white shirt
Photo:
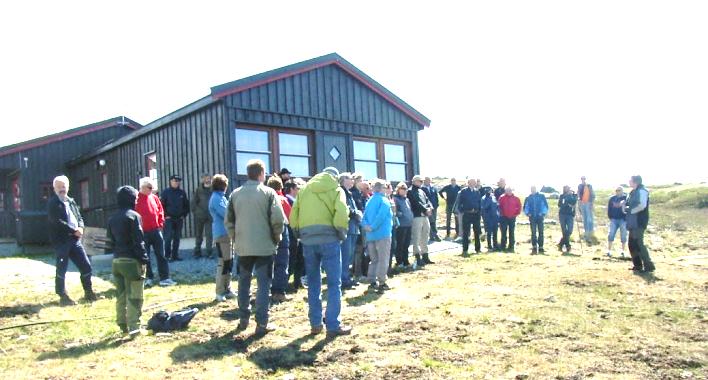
(72, 221)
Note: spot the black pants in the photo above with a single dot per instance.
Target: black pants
(472, 220)
(433, 219)
(403, 242)
(74, 251)
(173, 233)
(639, 251)
(449, 213)
(203, 226)
(296, 262)
(508, 224)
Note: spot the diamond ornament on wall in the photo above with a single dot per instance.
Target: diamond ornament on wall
(334, 153)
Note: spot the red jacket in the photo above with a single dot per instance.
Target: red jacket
(150, 209)
(286, 205)
(509, 206)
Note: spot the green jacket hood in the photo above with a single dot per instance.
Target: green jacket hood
(322, 182)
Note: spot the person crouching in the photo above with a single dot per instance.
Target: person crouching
(129, 260)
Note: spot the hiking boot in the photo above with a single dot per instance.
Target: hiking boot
(90, 296)
(342, 330)
(426, 259)
(123, 328)
(316, 330)
(465, 254)
(136, 333)
(277, 297)
(418, 262)
(210, 253)
(541, 250)
(437, 238)
(229, 295)
(534, 251)
(219, 298)
(148, 283)
(265, 329)
(197, 253)
(609, 253)
(65, 300)
(242, 325)
(167, 282)
(372, 286)
(384, 286)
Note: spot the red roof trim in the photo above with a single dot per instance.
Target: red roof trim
(61, 137)
(336, 62)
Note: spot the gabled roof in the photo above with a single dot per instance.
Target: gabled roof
(56, 137)
(312, 64)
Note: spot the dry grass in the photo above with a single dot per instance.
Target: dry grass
(489, 316)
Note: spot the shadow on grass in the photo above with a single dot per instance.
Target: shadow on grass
(24, 309)
(214, 348)
(649, 277)
(84, 349)
(364, 298)
(289, 356)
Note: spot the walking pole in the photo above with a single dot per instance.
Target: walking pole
(577, 223)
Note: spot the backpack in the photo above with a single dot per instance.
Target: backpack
(178, 320)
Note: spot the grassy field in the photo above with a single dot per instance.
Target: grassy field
(488, 316)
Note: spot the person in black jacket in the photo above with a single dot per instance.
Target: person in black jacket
(432, 193)
(422, 209)
(469, 204)
(176, 205)
(129, 261)
(65, 230)
(449, 194)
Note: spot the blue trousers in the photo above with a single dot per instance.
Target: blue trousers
(328, 257)
(154, 240)
(262, 268)
(173, 233)
(281, 262)
(347, 248)
(74, 251)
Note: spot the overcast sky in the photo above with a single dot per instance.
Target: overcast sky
(537, 92)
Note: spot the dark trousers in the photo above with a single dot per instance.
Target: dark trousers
(203, 226)
(566, 224)
(74, 251)
(471, 220)
(491, 230)
(433, 219)
(639, 251)
(403, 242)
(173, 232)
(262, 268)
(449, 213)
(153, 239)
(508, 224)
(536, 231)
(280, 267)
(296, 263)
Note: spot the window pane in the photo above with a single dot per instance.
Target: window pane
(293, 144)
(247, 139)
(394, 153)
(299, 166)
(84, 186)
(395, 172)
(364, 150)
(368, 169)
(242, 160)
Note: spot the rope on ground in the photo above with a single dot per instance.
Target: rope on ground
(36, 323)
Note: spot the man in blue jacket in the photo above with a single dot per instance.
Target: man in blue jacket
(536, 208)
(469, 204)
(432, 194)
(176, 205)
(378, 223)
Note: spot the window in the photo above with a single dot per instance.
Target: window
(45, 191)
(366, 158)
(295, 153)
(84, 188)
(395, 162)
(104, 181)
(150, 168)
(250, 145)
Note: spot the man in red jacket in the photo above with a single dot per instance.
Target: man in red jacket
(509, 208)
(152, 220)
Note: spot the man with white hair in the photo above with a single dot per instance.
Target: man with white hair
(152, 218)
(65, 230)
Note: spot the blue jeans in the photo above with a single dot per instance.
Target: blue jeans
(327, 256)
(153, 239)
(74, 251)
(173, 233)
(617, 224)
(282, 259)
(347, 248)
(262, 267)
(588, 218)
(536, 231)
(566, 224)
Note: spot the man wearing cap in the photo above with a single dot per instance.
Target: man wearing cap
(284, 175)
(176, 205)
(202, 217)
(320, 218)
(422, 209)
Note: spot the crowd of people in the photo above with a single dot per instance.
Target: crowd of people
(338, 223)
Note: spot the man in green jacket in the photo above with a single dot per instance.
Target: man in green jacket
(255, 221)
(320, 218)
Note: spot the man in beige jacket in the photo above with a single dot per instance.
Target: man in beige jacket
(255, 221)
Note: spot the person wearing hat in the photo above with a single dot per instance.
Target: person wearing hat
(130, 258)
(284, 175)
(202, 217)
(176, 205)
(320, 218)
(420, 230)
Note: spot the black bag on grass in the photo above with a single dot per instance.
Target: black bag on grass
(165, 322)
